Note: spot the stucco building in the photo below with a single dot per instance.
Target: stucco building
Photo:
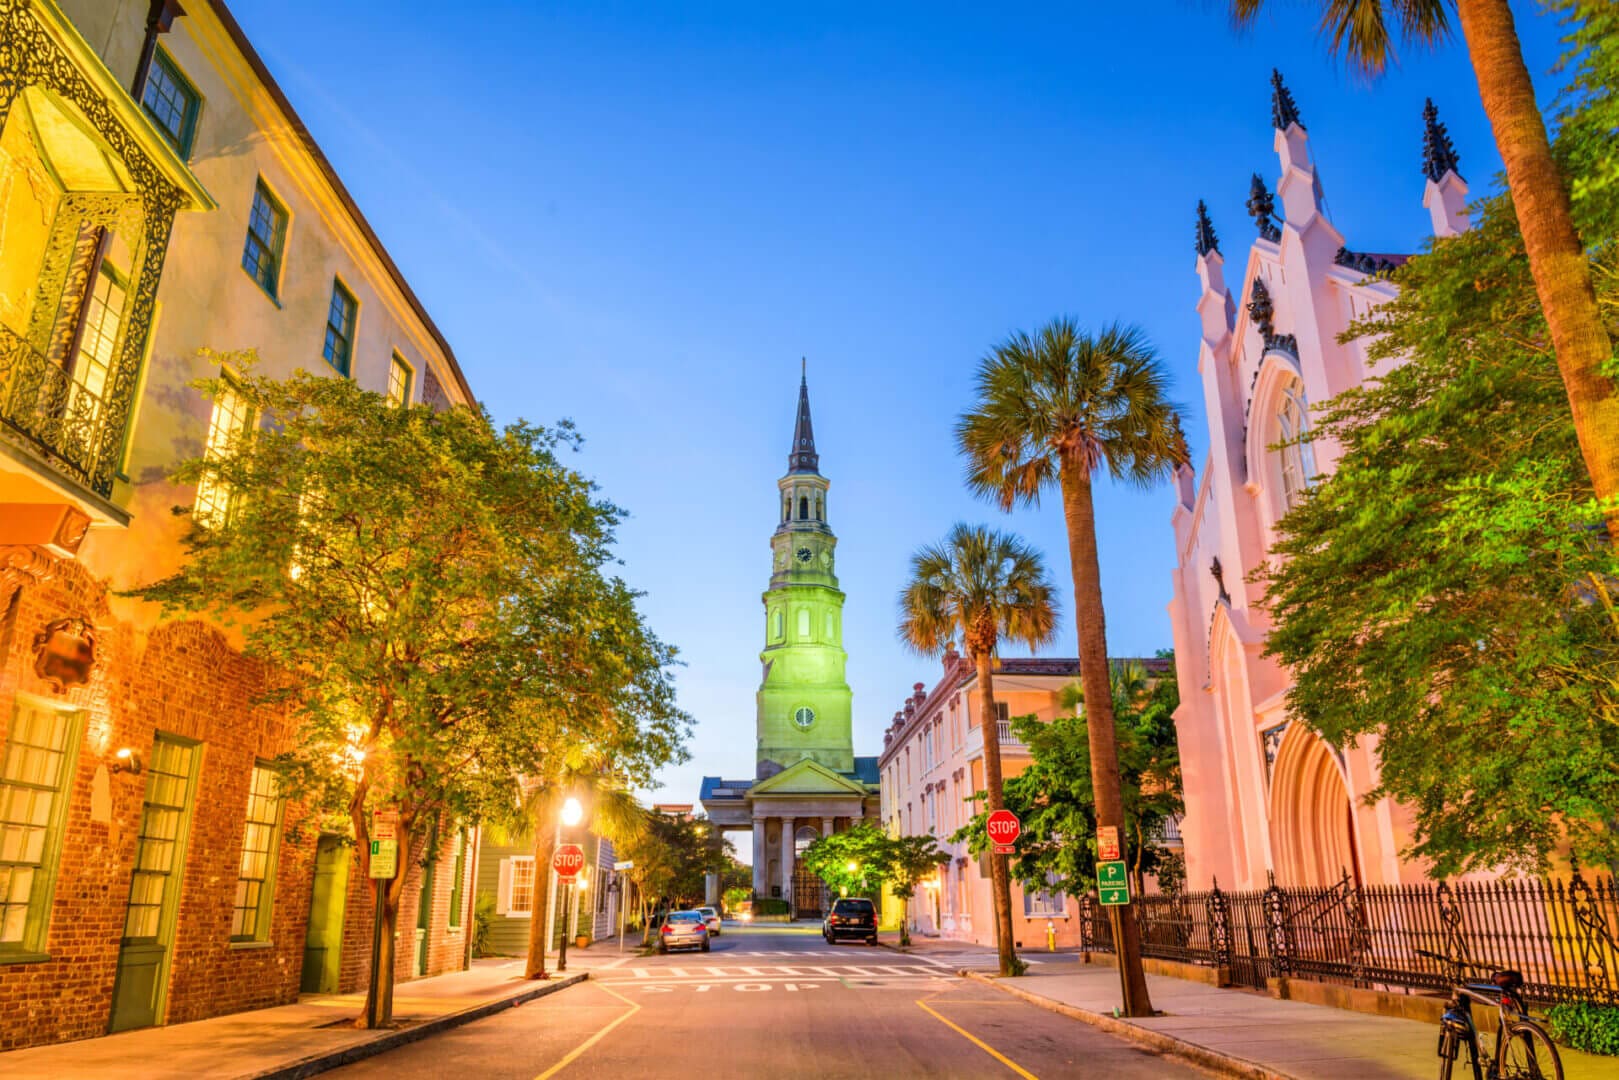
(1264, 794)
(807, 781)
(932, 765)
(159, 196)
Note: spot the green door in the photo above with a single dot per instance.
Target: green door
(424, 901)
(154, 888)
(323, 940)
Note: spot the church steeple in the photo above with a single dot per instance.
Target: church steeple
(802, 457)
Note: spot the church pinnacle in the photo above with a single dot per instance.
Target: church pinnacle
(802, 457)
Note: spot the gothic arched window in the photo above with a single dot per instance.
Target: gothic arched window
(1295, 462)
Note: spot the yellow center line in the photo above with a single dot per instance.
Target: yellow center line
(980, 1043)
(594, 1039)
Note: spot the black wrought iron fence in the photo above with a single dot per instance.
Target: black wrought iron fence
(1562, 934)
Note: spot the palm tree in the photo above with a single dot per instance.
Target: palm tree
(982, 587)
(1053, 410)
(613, 814)
(1557, 261)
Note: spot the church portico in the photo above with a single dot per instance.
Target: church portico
(807, 781)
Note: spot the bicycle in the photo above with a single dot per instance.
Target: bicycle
(1523, 1050)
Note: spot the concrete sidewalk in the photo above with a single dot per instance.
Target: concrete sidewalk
(296, 1040)
(1245, 1033)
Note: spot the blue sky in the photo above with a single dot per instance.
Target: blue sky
(640, 216)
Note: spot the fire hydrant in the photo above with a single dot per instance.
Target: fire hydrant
(1051, 936)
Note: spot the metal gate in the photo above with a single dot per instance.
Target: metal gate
(808, 894)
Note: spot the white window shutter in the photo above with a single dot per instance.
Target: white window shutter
(503, 892)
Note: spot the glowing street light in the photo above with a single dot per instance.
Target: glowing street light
(572, 812)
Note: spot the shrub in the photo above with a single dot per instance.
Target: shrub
(483, 917)
(1592, 1028)
(770, 906)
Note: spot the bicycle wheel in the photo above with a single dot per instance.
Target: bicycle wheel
(1529, 1054)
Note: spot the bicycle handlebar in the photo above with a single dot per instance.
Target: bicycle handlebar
(1452, 960)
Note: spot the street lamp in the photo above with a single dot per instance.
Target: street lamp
(572, 814)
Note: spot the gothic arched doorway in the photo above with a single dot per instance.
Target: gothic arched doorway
(1312, 818)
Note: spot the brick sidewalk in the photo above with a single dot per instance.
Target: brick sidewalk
(294, 1039)
(1251, 1035)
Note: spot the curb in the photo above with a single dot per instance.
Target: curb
(1202, 1056)
(348, 1055)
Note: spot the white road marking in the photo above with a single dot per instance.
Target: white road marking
(755, 972)
(747, 988)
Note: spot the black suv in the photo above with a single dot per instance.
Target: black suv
(851, 917)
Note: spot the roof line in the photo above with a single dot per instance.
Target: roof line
(256, 62)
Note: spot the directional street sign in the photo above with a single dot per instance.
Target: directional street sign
(626, 864)
(1112, 883)
(384, 859)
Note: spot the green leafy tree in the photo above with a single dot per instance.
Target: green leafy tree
(1550, 236)
(856, 860)
(1054, 798)
(1449, 590)
(981, 587)
(1054, 409)
(430, 588)
(910, 861)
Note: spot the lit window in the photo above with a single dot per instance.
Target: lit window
(266, 232)
(522, 902)
(250, 920)
(172, 101)
(230, 419)
(40, 750)
(103, 312)
(165, 816)
(339, 344)
(400, 379)
(1295, 460)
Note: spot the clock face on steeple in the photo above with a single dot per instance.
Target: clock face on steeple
(805, 555)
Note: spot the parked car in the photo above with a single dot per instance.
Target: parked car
(712, 918)
(851, 917)
(683, 930)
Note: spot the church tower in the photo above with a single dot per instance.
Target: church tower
(804, 701)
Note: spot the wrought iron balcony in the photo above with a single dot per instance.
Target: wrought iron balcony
(56, 416)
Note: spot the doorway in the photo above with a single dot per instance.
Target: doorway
(146, 949)
(424, 899)
(323, 938)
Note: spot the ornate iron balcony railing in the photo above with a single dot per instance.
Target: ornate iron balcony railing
(56, 415)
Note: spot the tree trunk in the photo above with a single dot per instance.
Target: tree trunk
(1080, 514)
(1557, 261)
(545, 846)
(1000, 875)
(383, 956)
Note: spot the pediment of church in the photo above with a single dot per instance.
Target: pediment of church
(807, 777)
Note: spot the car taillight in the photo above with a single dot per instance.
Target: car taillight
(667, 928)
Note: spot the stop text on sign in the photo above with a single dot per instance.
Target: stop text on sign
(1003, 828)
(568, 861)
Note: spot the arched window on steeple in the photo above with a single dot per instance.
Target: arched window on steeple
(787, 508)
(803, 508)
(819, 512)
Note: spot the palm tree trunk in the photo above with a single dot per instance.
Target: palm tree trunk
(1557, 261)
(1080, 515)
(1000, 875)
(545, 847)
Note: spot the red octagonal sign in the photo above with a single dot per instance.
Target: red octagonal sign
(1003, 828)
(568, 861)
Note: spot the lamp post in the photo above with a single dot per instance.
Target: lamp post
(572, 814)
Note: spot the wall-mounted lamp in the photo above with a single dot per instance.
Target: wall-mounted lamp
(126, 760)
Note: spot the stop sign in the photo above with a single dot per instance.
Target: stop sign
(568, 861)
(1003, 828)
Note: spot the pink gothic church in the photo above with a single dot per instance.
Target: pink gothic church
(1262, 793)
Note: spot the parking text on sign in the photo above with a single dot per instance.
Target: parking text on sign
(1112, 883)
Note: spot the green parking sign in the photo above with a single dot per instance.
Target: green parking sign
(1112, 883)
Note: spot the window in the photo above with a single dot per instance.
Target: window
(339, 344)
(933, 819)
(1295, 460)
(40, 751)
(230, 419)
(255, 879)
(804, 717)
(522, 886)
(1042, 904)
(401, 380)
(103, 312)
(160, 848)
(171, 100)
(778, 632)
(457, 889)
(266, 233)
(803, 622)
(803, 508)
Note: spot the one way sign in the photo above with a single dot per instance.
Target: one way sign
(1112, 883)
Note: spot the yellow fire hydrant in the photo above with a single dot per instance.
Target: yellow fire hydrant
(1051, 936)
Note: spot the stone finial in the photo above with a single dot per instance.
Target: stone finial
(1438, 154)
(1261, 310)
(1283, 111)
(1206, 240)
(1262, 207)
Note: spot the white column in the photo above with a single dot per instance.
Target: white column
(760, 886)
(787, 854)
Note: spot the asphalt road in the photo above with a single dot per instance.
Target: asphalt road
(774, 1002)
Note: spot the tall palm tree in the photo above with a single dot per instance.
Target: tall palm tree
(1054, 409)
(1360, 30)
(981, 587)
(612, 813)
